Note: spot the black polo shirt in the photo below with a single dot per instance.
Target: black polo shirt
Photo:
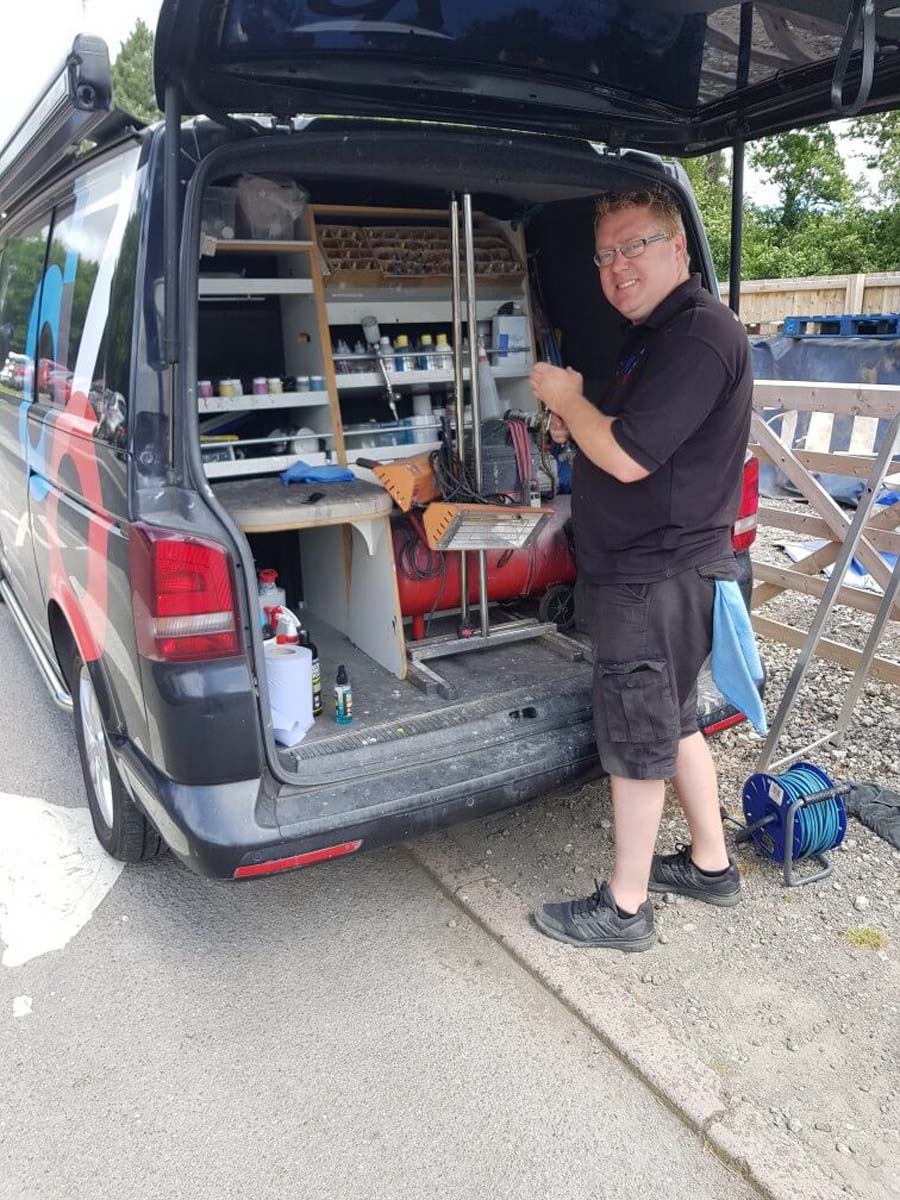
(681, 395)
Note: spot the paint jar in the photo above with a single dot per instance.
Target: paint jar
(260, 386)
(303, 383)
(274, 385)
(317, 383)
(205, 388)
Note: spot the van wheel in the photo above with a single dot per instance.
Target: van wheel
(121, 828)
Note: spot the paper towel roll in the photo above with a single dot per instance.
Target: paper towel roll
(289, 676)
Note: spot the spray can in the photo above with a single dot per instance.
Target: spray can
(306, 640)
(343, 698)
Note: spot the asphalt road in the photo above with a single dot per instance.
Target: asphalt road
(340, 1032)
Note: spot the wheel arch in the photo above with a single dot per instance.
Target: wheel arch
(65, 646)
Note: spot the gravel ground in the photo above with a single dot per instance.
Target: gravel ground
(794, 996)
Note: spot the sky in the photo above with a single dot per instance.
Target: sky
(41, 31)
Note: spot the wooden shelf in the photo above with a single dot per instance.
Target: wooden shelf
(250, 402)
(227, 285)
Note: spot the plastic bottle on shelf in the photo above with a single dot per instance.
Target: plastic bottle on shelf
(488, 397)
(341, 351)
(444, 359)
(401, 357)
(426, 361)
(359, 348)
(385, 351)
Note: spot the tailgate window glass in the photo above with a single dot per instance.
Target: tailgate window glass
(683, 55)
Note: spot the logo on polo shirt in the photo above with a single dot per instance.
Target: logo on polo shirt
(627, 368)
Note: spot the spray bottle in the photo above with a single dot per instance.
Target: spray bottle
(343, 698)
(285, 624)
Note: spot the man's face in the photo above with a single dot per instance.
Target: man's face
(635, 286)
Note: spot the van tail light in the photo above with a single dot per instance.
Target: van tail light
(183, 597)
(743, 532)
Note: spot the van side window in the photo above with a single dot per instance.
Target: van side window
(84, 340)
(21, 271)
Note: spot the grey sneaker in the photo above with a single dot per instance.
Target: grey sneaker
(677, 873)
(595, 922)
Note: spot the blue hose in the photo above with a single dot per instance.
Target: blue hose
(818, 826)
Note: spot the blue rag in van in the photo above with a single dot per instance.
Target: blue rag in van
(736, 666)
(302, 472)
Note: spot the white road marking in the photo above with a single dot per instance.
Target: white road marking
(53, 875)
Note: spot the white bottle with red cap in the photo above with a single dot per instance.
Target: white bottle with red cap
(270, 594)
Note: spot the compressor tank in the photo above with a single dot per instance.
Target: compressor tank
(424, 581)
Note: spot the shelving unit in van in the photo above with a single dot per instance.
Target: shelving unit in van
(369, 255)
(297, 286)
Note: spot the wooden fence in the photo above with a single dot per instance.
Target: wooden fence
(867, 535)
(766, 302)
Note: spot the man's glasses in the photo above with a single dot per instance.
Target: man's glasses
(606, 258)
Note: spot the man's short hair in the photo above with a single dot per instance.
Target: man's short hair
(661, 204)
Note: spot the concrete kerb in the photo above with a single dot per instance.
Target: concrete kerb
(735, 1129)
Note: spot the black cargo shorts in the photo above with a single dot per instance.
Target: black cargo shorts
(650, 641)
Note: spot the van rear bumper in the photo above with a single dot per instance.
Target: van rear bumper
(218, 828)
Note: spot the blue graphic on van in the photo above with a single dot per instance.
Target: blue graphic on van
(45, 317)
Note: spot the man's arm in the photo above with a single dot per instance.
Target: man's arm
(561, 391)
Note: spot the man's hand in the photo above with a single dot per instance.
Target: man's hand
(559, 430)
(561, 390)
(557, 388)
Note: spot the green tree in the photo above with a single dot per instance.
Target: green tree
(711, 183)
(807, 168)
(882, 132)
(132, 75)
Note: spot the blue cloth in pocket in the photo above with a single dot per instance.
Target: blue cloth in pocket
(736, 665)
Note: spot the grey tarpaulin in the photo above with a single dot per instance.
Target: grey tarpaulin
(822, 359)
(876, 807)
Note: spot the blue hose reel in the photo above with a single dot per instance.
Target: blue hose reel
(794, 816)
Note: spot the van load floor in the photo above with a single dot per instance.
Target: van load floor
(387, 710)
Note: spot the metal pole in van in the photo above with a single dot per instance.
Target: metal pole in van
(473, 391)
(459, 390)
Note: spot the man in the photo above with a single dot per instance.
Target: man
(655, 491)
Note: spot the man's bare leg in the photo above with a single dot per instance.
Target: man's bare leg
(637, 808)
(698, 793)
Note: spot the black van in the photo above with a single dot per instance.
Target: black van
(190, 309)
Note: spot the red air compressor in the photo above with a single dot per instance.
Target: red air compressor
(428, 580)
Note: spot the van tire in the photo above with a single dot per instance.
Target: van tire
(121, 828)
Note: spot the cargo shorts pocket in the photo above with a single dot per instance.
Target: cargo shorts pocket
(634, 701)
(724, 569)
